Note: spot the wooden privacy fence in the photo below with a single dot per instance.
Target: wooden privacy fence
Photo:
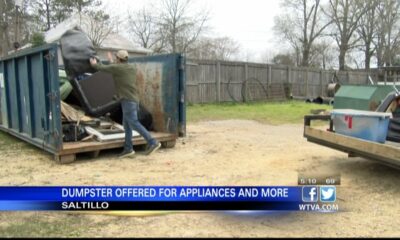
(222, 81)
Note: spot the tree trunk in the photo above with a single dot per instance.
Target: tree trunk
(4, 47)
(342, 59)
(3, 29)
(48, 15)
(379, 56)
(367, 57)
(16, 31)
(379, 62)
(297, 57)
(306, 56)
(6, 41)
(173, 43)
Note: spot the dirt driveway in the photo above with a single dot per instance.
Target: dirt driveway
(214, 153)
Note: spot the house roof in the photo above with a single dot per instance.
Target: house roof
(112, 41)
(117, 42)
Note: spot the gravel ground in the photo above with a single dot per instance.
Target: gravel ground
(232, 152)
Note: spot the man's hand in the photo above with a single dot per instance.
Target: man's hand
(110, 57)
(93, 61)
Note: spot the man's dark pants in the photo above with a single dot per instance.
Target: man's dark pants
(131, 122)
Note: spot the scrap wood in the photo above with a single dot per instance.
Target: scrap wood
(88, 138)
(72, 114)
(320, 112)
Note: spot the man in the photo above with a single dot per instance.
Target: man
(124, 76)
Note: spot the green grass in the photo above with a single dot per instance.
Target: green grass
(275, 113)
(8, 142)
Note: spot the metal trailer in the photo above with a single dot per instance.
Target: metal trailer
(388, 153)
(30, 100)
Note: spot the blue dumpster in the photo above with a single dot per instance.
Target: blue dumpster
(30, 100)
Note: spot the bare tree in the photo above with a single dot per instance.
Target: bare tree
(388, 37)
(5, 6)
(180, 25)
(81, 5)
(144, 30)
(98, 26)
(323, 54)
(346, 15)
(301, 26)
(286, 30)
(222, 48)
(283, 59)
(43, 12)
(13, 24)
(49, 13)
(367, 30)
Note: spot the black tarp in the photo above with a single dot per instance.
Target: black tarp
(76, 49)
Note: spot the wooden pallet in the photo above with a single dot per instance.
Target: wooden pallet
(70, 150)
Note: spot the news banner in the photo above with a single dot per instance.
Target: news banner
(312, 194)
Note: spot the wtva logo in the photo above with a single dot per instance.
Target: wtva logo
(328, 194)
(310, 194)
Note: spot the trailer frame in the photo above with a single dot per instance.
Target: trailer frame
(388, 153)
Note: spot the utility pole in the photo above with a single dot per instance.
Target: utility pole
(2, 28)
(18, 6)
(16, 24)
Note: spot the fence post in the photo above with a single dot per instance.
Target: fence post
(321, 82)
(306, 79)
(348, 77)
(386, 77)
(199, 91)
(269, 82)
(246, 77)
(218, 82)
(246, 71)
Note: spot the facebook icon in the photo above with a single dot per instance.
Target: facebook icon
(310, 194)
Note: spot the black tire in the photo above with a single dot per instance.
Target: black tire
(168, 144)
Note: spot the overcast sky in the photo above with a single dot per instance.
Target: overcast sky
(249, 22)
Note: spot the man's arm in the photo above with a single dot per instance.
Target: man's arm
(110, 57)
(99, 67)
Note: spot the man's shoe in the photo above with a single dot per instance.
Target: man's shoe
(126, 154)
(153, 148)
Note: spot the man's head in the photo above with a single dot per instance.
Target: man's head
(122, 56)
(398, 101)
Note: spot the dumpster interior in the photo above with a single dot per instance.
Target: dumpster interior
(89, 107)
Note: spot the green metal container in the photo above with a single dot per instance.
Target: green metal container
(367, 97)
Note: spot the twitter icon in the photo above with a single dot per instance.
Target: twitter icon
(327, 194)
